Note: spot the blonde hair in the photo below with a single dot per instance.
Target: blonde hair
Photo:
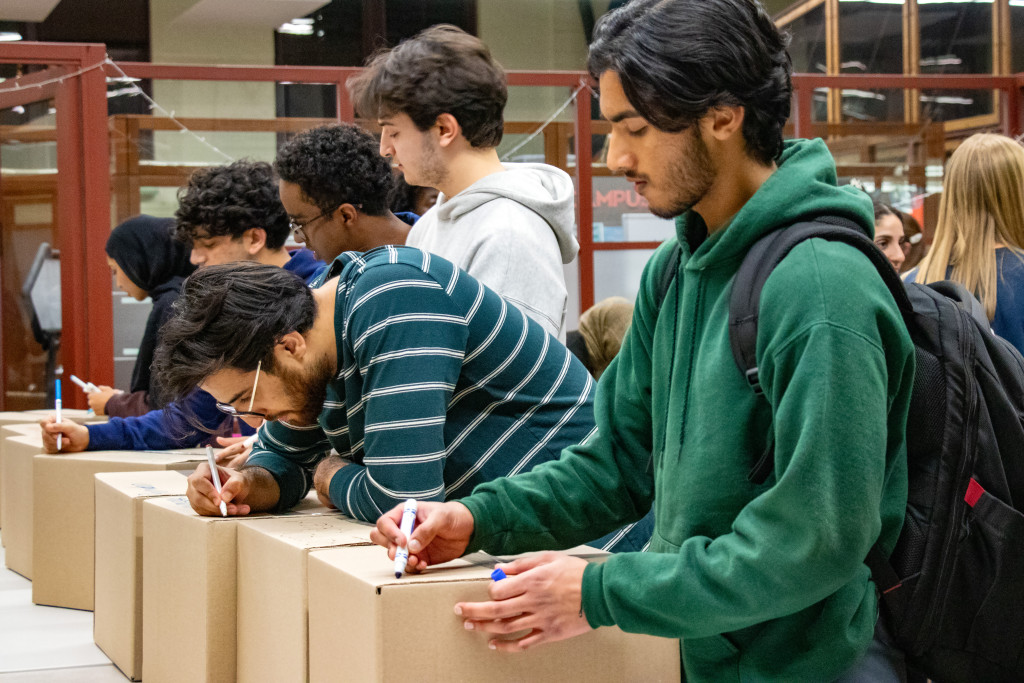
(982, 204)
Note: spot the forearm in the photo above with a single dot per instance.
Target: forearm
(263, 492)
(365, 493)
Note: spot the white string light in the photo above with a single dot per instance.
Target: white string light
(154, 105)
(132, 89)
(57, 79)
(547, 122)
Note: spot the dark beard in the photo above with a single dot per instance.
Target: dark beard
(690, 177)
(312, 388)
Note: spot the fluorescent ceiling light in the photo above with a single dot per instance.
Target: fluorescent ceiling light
(297, 27)
(9, 36)
(947, 99)
(944, 60)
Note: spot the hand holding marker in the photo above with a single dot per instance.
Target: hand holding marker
(215, 474)
(408, 523)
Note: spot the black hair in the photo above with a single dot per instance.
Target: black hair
(229, 316)
(882, 210)
(678, 59)
(230, 199)
(335, 165)
(441, 70)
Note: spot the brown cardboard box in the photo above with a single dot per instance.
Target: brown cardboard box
(117, 620)
(64, 511)
(78, 415)
(16, 498)
(272, 590)
(189, 590)
(6, 430)
(366, 625)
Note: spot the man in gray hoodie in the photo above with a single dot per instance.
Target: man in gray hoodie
(439, 98)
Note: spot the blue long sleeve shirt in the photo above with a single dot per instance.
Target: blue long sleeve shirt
(192, 421)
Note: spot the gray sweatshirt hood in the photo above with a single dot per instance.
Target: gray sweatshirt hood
(546, 190)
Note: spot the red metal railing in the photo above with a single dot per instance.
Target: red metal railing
(83, 164)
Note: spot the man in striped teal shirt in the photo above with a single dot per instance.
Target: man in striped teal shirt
(423, 380)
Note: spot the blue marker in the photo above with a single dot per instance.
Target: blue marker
(57, 407)
(498, 575)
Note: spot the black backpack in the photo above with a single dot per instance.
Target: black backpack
(953, 588)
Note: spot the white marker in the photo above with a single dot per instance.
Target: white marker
(87, 387)
(408, 522)
(215, 473)
(56, 405)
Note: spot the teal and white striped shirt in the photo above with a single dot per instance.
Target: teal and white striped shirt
(441, 385)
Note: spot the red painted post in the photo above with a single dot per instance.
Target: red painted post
(584, 199)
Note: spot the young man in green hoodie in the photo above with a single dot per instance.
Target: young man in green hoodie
(758, 581)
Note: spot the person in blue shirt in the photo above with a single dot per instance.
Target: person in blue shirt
(979, 236)
(226, 213)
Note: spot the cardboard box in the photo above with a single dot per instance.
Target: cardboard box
(6, 430)
(117, 621)
(63, 520)
(189, 590)
(16, 498)
(79, 415)
(366, 625)
(272, 620)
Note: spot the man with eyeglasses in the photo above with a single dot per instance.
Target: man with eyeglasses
(425, 381)
(335, 187)
(228, 213)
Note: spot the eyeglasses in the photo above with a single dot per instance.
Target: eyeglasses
(230, 409)
(299, 229)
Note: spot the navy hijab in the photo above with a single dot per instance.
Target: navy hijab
(146, 250)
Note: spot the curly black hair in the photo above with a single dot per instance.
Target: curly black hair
(335, 165)
(230, 199)
(677, 60)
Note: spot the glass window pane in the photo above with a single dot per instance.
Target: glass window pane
(807, 48)
(956, 38)
(870, 37)
(1017, 36)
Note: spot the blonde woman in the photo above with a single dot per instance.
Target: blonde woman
(979, 238)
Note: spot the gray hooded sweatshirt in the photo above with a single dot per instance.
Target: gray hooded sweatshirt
(512, 231)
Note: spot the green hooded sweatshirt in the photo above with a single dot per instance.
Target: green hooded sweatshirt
(759, 582)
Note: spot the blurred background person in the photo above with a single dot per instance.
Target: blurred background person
(979, 237)
(599, 337)
(889, 237)
(147, 262)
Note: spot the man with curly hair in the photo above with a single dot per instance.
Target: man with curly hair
(335, 188)
(228, 213)
(233, 213)
(439, 98)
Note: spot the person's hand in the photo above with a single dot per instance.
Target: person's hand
(236, 452)
(325, 471)
(204, 498)
(442, 533)
(542, 595)
(98, 399)
(75, 436)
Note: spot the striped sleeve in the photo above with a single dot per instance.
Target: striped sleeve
(290, 454)
(408, 341)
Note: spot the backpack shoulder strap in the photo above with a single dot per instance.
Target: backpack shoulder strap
(668, 275)
(761, 260)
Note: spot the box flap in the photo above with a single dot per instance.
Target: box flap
(372, 566)
(145, 483)
(316, 531)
